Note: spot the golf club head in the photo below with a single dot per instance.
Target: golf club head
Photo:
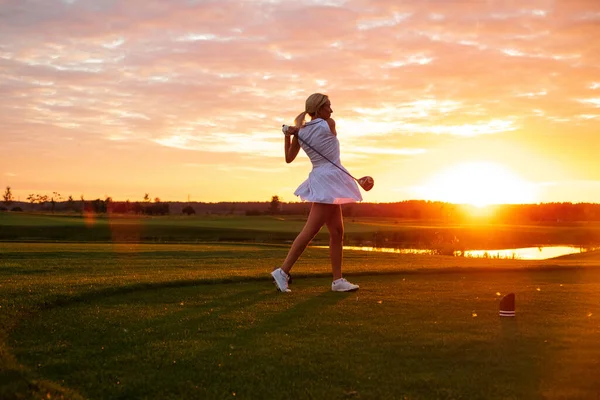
(366, 182)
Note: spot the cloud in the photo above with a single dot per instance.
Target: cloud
(221, 76)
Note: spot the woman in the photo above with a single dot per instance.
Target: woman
(327, 187)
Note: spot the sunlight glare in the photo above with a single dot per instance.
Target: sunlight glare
(477, 183)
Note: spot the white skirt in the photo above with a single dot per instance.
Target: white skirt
(327, 184)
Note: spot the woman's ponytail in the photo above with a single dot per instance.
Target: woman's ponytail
(299, 121)
(314, 102)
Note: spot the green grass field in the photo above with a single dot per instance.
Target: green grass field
(131, 320)
(381, 232)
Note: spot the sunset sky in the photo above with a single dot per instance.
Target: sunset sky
(462, 101)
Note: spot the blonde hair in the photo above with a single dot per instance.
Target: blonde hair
(313, 103)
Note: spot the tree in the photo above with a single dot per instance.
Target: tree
(98, 206)
(37, 198)
(55, 197)
(147, 198)
(71, 203)
(8, 196)
(275, 206)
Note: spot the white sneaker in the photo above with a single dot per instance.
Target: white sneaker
(342, 285)
(281, 280)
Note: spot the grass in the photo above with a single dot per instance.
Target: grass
(381, 232)
(106, 321)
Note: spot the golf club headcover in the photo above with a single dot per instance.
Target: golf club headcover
(507, 305)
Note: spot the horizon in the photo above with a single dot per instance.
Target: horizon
(463, 103)
(470, 205)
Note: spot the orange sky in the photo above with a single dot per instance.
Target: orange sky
(462, 101)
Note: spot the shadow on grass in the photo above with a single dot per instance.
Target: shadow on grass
(211, 310)
(65, 299)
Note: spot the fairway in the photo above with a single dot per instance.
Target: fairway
(406, 335)
(104, 321)
(380, 232)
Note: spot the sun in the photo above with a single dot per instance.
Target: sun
(479, 184)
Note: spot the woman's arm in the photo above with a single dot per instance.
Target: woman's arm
(291, 147)
(331, 124)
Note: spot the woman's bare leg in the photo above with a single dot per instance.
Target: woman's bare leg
(319, 213)
(335, 224)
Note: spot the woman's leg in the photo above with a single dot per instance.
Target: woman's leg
(335, 224)
(319, 213)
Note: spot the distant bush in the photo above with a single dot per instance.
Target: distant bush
(253, 213)
(189, 210)
(3, 208)
(156, 209)
(17, 209)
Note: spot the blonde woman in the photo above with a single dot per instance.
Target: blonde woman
(327, 187)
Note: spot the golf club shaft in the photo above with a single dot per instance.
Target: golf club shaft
(319, 153)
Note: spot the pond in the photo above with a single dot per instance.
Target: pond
(523, 253)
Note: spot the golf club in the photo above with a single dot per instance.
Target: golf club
(366, 182)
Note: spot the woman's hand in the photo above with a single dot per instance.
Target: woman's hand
(292, 131)
(291, 146)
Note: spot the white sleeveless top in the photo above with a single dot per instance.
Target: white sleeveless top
(326, 183)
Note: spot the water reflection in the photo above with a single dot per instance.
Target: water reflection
(383, 249)
(524, 253)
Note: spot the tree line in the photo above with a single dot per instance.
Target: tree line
(408, 209)
(57, 203)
